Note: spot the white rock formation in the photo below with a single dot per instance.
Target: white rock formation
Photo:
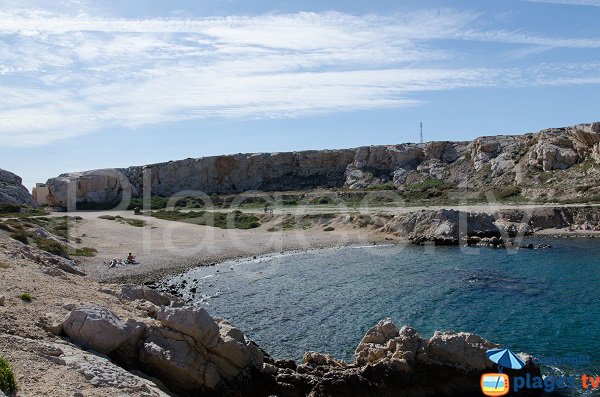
(511, 160)
(12, 191)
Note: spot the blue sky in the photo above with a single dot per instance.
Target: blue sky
(95, 84)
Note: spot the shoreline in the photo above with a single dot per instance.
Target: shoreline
(165, 248)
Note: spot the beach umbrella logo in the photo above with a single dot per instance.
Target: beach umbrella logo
(505, 359)
(498, 384)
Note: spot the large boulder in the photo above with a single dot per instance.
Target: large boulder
(12, 191)
(99, 329)
(186, 349)
(91, 189)
(193, 352)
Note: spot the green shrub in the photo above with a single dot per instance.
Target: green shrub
(329, 229)
(52, 246)
(25, 297)
(322, 201)
(509, 191)
(108, 217)
(382, 186)
(21, 236)
(582, 189)
(120, 219)
(8, 383)
(156, 202)
(85, 251)
(216, 219)
(10, 209)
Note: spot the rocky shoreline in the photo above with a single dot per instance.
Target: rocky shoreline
(192, 353)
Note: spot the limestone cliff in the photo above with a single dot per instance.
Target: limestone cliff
(540, 163)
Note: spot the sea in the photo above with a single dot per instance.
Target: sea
(545, 302)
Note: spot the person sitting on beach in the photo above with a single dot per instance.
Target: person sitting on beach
(130, 258)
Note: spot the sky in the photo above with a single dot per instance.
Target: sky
(98, 84)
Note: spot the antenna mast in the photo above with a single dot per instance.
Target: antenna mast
(421, 132)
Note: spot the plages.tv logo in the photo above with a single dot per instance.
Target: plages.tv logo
(498, 384)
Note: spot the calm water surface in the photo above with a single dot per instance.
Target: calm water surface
(545, 302)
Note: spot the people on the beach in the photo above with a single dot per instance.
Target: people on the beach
(130, 258)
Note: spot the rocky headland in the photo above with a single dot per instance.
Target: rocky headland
(553, 164)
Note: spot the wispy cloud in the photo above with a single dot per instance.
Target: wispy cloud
(65, 75)
(593, 3)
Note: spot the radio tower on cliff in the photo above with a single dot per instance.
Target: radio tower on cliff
(421, 136)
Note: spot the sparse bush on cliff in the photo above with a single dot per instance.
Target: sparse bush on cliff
(52, 246)
(8, 383)
(322, 201)
(21, 236)
(507, 192)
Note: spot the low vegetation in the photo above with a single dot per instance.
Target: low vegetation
(120, 219)
(25, 297)
(19, 211)
(85, 251)
(8, 383)
(224, 220)
(382, 186)
(156, 203)
(301, 222)
(52, 246)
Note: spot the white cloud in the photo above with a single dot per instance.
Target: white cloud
(67, 75)
(594, 3)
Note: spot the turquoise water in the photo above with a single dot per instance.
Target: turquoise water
(545, 302)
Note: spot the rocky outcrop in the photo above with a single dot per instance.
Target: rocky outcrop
(193, 353)
(392, 361)
(186, 348)
(12, 191)
(486, 161)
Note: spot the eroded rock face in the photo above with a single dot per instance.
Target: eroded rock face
(393, 361)
(506, 160)
(12, 191)
(100, 330)
(187, 349)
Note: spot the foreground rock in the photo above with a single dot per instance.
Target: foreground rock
(192, 354)
(12, 191)
(549, 164)
(186, 348)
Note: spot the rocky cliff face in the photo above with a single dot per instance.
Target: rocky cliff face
(531, 161)
(12, 191)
